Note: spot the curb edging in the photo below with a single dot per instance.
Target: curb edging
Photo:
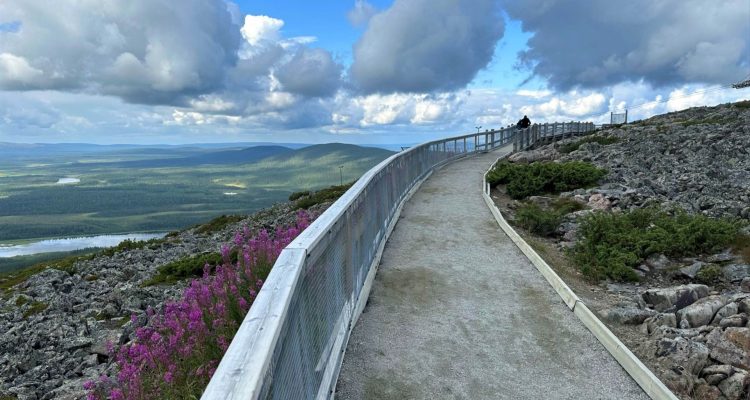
(643, 376)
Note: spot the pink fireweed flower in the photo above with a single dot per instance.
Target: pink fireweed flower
(197, 328)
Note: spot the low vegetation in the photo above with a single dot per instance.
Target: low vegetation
(709, 275)
(219, 223)
(188, 267)
(544, 222)
(537, 178)
(305, 201)
(742, 104)
(611, 244)
(297, 195)
(12, 264)
(67, 264)
(602, 140)
(707, 120)
(35, 308)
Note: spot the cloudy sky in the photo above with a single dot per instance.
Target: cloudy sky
(377, 71)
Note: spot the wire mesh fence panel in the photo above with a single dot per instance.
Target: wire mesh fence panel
(618, 118)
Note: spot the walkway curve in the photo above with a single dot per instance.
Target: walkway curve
(457, 312)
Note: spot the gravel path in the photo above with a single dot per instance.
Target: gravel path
(457, 312)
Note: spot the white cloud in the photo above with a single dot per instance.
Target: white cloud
(16, 71)
(260, 30)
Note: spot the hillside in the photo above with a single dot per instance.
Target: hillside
(673, 214)
(56, 321)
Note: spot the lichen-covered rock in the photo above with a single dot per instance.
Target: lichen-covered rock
(627, 316)
(674, 298)
(732, 346)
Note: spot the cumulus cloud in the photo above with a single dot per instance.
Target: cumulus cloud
(361, 13)
(310, 72)
(670, 42)
(426, 45)
(146, 51)
(191, 54)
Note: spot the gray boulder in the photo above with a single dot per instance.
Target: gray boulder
(690, 271)
(737, 320)
(674, 298)
(627, 316)
(686, 353)
(701, 312)
(726, 311)
(736, 386)
(662, 319)
(732, 346)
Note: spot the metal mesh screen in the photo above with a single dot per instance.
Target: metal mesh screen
(620, 118)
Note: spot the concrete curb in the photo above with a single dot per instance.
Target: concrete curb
(646, 379)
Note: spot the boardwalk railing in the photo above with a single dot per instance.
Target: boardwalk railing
(550, 132)
(291, 343)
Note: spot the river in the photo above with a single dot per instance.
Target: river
(70, 244)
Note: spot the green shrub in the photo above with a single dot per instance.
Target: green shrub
(525, 180)
(741, 246)
(537, 220)
(296, 195)
(21, 300)
(709, 274)
(544, 222)
(602, 140)
(610, 245)
(188, 267)
(128, 245)
(322, 196)
(219, 223)
(742, 104)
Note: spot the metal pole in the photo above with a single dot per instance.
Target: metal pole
(341, 174)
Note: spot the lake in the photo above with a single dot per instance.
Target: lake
(70, 244)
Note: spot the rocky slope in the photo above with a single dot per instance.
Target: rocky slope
(695, 337)
(55, 326)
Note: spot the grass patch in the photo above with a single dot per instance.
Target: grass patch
(544, 222)
(742, 104)
(537, 178)
(36, 308)
(602, 140)
(128, 245)
(21, 300)
(297, 195)
(67, 264)
(188, 267)
(321, 196)
(710, 274)
(610, 245)
(219, 223)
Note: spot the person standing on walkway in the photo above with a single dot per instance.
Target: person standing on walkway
(523, 123)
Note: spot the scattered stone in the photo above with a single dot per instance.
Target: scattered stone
(745, 285)
(736, 272)
(707, 392)
(724, 256)
(662, 319)
(691, 270)
(627, 316)
(674, 298)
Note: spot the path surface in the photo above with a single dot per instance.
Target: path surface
(457, 312)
